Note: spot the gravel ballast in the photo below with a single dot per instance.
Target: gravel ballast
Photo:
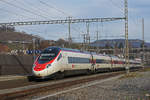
(126, 88)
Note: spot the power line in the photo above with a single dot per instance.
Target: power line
(37, 9)
(50, 6)
(116, 5)
(18, 15)
(14, 13)
(53, 8)
(22, 8)
(61, 11)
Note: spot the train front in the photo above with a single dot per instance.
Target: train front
(44, 65)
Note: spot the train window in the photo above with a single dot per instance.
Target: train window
(102, 61)
(99, 61)
(78, 60)
(124, 62)
(59, 57)
(107, 61)
(47, 55)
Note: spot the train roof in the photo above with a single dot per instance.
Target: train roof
(68, 49)
(79, 51)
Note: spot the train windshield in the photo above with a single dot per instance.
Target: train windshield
(47, 55)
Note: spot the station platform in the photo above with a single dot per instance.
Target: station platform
(12, 77)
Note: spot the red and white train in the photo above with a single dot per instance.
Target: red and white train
(55, 62)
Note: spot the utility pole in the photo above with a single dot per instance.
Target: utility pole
(143, 60)
(97, 35)
(88, 35)
(33, 49)
(69, 31)
(126, 36)
(97, 40)
(23, 44)
(6, 28)
(84, 41)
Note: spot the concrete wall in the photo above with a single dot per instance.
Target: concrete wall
(14, 65)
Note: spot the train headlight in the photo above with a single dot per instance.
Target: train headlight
(48, 65)
(34, 65)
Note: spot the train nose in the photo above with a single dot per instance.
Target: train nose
(39, 67)
(41, 70)
(38, 73)
(37, 70)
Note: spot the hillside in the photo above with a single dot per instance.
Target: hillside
(135, 43)
(16, 36)
(9, 33)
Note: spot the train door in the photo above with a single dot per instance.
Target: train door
(93, 63)
(111, 62)
(63, 61)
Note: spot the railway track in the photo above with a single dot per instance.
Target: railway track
(50, 86)
(41, 88)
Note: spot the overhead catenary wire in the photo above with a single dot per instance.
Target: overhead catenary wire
(77, 30)
(57, 9)
(16, 14)
(37, 9)
(26, 10)
(51, 11)
(61, 11)
(117, 6)
(121, 8)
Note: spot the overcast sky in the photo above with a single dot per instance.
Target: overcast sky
(31, 10)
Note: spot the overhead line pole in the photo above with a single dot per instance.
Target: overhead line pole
(69, 31)
(88, 35)
(126, 36)
(97, 35)
(143, 60)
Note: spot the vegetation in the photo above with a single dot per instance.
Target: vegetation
(146, 69)
(61, 43)
(10, 39)
(135, 74)
(4, 48)
(7, 29)
(131, 75)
